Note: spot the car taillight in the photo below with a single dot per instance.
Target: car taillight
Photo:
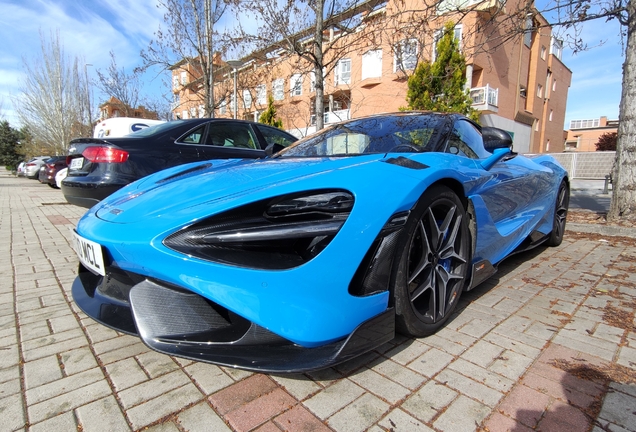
(105, 154)
(30, 164)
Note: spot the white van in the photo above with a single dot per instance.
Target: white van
(120, 126)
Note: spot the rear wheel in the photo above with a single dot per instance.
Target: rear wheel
(560, 215)
(433, 262)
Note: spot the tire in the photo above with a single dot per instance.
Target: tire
(561, 205)
(431, 270)
(53, 185)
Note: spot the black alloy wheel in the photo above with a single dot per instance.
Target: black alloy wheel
(561, 205)
(434, 258)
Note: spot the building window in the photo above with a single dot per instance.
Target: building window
(193, 112)
(583, 124)
(201, 111)
(312, 80)
(556, 47)
(554, 85)
(278, 89)
(547, 146)
(175, 82)
(536, 125)
(261, 94)
(543, 51)
(296, 85)
(539, 90)
(184, 77)
(527, 35)
(550, 116)
(457, 34)
(343, 72)
(184, 114)
(247, 99)
(372, 64)
(523, 92)
(405, 55)
(223, 107)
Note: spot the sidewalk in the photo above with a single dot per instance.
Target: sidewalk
(548, 343)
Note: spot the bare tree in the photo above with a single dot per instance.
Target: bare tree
(125, 87)
(53, 103)
(189, 37)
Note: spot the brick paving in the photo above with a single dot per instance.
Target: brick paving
(549, 343)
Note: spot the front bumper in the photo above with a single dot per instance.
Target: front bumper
(178, 322)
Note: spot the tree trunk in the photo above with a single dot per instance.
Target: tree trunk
(208, 69)
(623, 204)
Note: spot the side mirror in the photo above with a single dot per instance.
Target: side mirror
(497, 155)
(273, 148)
(495, 138)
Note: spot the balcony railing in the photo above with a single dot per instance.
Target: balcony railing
(485, 98)
(332, 116)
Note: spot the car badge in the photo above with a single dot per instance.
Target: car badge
(116, 211)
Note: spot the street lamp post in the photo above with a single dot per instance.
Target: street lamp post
(88, 94)
(236, 64)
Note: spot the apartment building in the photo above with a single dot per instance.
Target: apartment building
(584, 134)
(515, 77)
(113, 107)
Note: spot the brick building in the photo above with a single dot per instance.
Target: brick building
(113, 107)
(584, 134)
(517, 81)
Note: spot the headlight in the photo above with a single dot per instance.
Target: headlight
(278, 233)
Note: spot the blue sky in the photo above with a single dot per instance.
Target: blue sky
(90, 29)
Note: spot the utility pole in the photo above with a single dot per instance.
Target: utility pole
(88, 95)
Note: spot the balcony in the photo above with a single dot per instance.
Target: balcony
(333, 116)
(485, 99)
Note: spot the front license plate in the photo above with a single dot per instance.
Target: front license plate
(89, 253)
(77, 163)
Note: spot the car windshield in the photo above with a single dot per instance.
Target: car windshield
(156, 129)
(377, 134)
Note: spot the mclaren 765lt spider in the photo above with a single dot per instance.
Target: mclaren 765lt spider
(321, 252)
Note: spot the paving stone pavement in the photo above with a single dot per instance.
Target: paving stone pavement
(549, 343)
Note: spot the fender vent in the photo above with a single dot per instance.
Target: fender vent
(406, 163)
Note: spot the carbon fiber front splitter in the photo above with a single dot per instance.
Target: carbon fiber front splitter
(180, 323)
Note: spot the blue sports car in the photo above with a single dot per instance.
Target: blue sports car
(320, 252)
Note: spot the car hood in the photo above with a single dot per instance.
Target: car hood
(216, 184)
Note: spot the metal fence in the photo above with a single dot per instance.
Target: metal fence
(586, 165)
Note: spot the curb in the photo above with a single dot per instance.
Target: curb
(611, 230)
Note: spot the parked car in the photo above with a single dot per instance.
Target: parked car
(32, 167)
(50, 168)
(120, 126)
(320, 253)
(20, 169)
(61, 175)
(98, 167)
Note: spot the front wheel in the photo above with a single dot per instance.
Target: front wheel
(432, 263)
